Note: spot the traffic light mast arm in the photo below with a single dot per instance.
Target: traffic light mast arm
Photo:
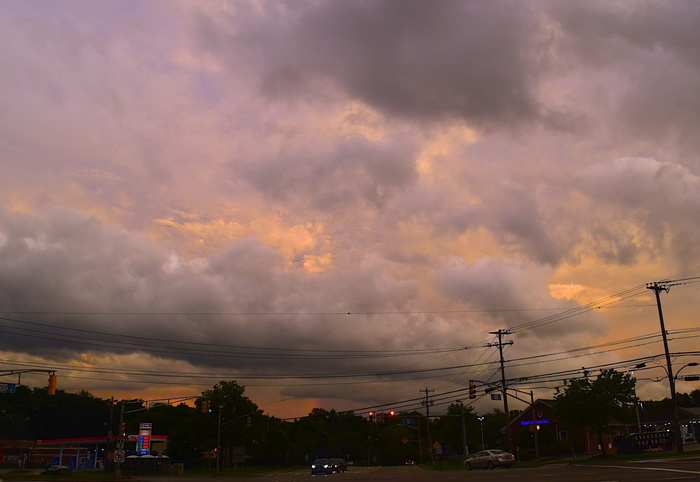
(52, 377)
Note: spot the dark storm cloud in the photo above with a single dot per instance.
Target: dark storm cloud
(407, 58)
(658, 199)
(281, 164)
(653, 48)
(494, 287)
(68, 271)
(355, 172)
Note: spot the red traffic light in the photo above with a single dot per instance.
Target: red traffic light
(371, 416)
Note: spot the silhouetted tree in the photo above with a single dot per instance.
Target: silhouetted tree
(594, 404)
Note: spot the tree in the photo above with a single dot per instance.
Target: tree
(594, 404)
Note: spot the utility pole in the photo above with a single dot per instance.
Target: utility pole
(218, 444)
(500, 334)
(535, 427)
(657, 287)
(120, 441)
(464, 431)
(110, 442)
(427, 403)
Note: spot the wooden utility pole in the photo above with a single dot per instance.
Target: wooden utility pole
(500, 334)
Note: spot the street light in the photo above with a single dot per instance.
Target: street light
(692, 364)
(481, 423)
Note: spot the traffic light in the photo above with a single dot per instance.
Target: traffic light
(371, 416)
(206, 405)
(52, 384)
(122, 429)
(472, 390)
(392, 414)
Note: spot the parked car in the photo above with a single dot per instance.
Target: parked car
(489, 459)
(337, 464)
(57, 470)
(320, 466)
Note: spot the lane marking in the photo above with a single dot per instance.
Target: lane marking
(658, 469)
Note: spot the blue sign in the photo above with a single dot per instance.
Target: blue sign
(7, 387)
(539, 422)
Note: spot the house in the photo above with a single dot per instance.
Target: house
(540, 420)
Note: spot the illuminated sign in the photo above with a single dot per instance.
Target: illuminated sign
(143, 445)
(538, 422)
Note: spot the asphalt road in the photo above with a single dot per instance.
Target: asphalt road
(656, 470)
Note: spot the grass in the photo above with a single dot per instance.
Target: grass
(102, 476)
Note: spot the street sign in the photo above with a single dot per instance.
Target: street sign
(7, 387)
(119, 456)
(495, 396)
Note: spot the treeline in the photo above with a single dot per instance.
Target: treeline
(225, 415)
(193, 432)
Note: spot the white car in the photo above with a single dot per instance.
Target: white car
(489, 459)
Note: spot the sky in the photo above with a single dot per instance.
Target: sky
(337, 204)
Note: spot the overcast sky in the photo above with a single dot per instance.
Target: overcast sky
(344, 190)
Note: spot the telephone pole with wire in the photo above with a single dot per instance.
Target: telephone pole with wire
(658, 287)
(500, 334)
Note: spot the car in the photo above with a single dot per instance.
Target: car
(489, 459)
(337, 464)
(410, 462)
(57, 470)
(320, 466)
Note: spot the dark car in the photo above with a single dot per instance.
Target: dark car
(57, 470)
(489, 459)
(337, 465)
(320, 466)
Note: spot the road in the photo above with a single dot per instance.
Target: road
(656, 470)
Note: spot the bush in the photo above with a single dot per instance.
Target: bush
(526, 454)
(560, 447)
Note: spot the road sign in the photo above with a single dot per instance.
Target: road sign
(119, 456)
(7, 387)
